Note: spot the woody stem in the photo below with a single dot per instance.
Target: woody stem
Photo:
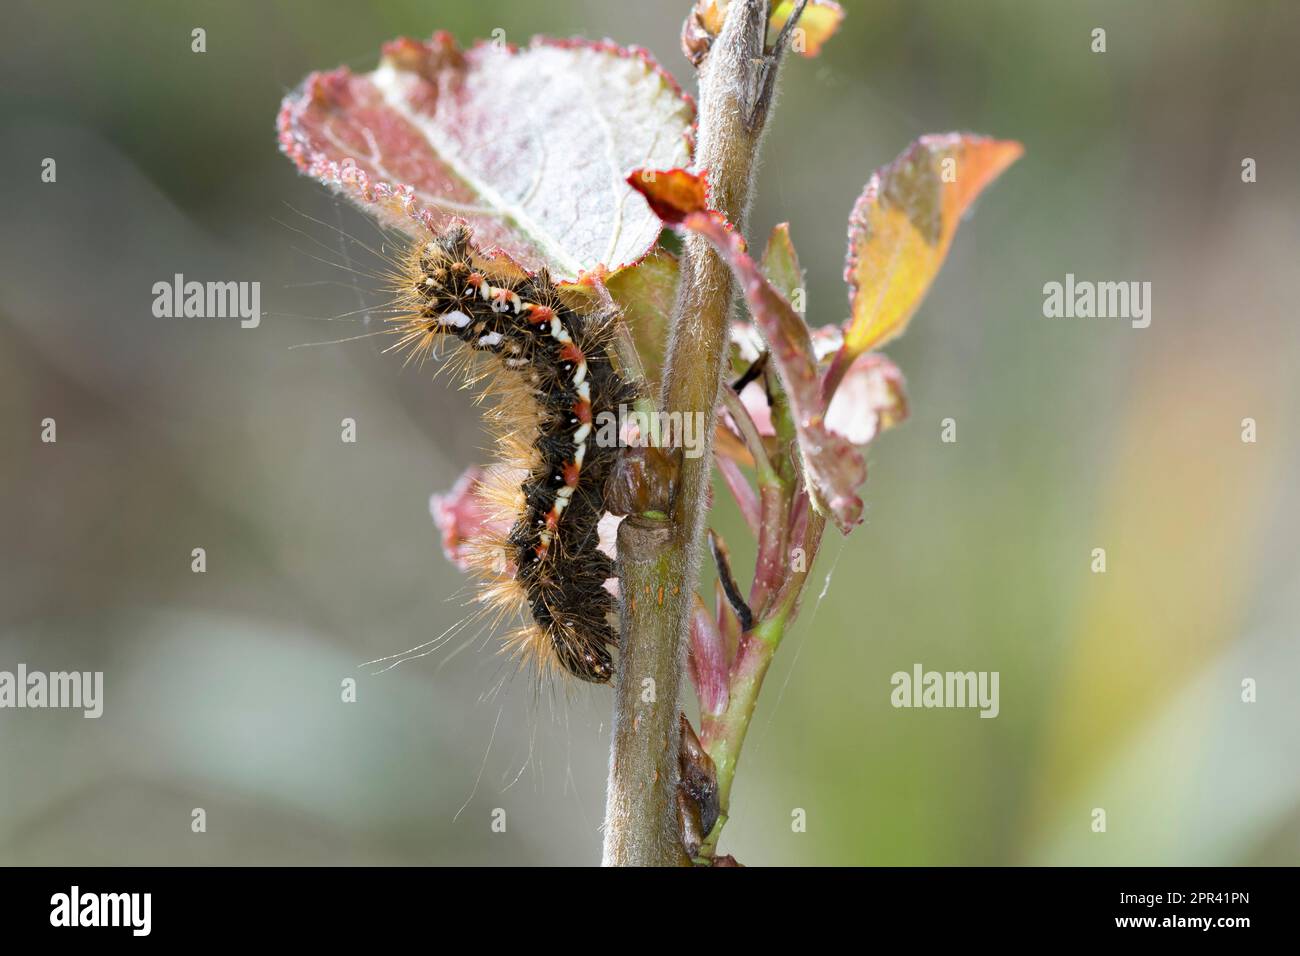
(660, 554)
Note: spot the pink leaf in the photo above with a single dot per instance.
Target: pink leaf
(833, 468)
(741, 490)
(870, 399)
(754, 398)
(462, 516)
(707, 660)
(530, 146)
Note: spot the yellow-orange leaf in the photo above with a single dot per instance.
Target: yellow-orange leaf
(817, 24)
(901, 229)
(819, 21)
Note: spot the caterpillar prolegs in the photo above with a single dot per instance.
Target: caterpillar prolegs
(549, 366)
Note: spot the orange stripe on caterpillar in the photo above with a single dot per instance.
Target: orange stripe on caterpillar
(582, 411)
(539, 314)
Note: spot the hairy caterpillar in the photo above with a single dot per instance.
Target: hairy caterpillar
(549, 365)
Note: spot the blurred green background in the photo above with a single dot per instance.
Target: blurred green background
(1120, 691)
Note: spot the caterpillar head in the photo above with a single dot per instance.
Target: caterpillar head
(443, 266)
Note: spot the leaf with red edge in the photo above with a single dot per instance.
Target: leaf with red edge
(530, 146)
(833, 468)
(901, 229)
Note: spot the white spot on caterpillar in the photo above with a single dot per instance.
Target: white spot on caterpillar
(457, 318)
(581, 434)
(490, 340)
(580, 375)
(564, 493)
(557, 330)
(584, 390)
(579, 454)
